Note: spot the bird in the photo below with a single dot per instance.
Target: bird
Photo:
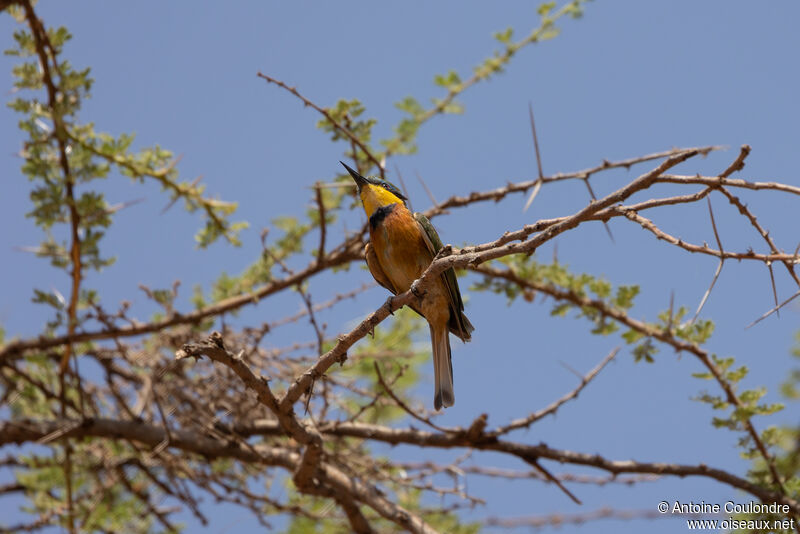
(401, 246)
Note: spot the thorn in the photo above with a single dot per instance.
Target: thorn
(403, 185)
(538, 184)
(536, 187)
(535, 142)
(571, 370)
(594, 199)
(427, 190)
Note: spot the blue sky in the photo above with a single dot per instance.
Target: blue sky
(629, 78)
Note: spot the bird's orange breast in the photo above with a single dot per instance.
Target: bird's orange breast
(399, 245)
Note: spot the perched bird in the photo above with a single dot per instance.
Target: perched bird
(402, 245)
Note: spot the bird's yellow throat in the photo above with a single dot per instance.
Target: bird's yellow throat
(375, 196)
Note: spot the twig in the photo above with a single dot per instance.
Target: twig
(764, 234)
(403, 186)
(484, 72)
(663, 335)
(594, 198)
(312, 318)
(738, 163)
(521, 187)
(427, 189)
(716, 181)
(775, 309)
(538, 184)
(347, 251)
(310, 465)
(553, 407)
(43, 45)
(152, 435)
(322, 224)
(403, 405)
(350, 249)
(350, 135)
(719, 265)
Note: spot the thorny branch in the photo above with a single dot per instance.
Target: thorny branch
(664, 335)
(201, 410)
(719, 265)
(350, 135)
(351, 249)
(553, 408)
(141, 432)
(48, 64)
(472, 257)
(491, 66)
(186, 190)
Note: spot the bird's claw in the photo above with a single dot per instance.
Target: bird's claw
(389, 302)
(444, 251)
(416, 291)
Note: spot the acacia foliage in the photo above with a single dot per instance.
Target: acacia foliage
(278, 430)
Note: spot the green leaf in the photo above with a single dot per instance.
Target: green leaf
(645, 351)
(545, 8)
(703, 376)
(632, 336)
(504, 36)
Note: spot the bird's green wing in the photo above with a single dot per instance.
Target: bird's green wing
(459, 324)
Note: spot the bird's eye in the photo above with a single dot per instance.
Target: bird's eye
(391, 188)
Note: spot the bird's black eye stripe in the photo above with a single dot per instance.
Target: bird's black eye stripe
(392, 189)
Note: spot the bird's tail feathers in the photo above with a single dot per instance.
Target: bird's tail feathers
(442, 368)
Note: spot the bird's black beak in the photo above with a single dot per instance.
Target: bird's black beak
(360, 180)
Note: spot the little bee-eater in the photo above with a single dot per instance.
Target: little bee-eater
(401, 246)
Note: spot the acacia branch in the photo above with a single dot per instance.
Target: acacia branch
(351, 249)
(521, 187)
(716, 181)
(47, 54)
(493, 65)
(631, 214)
(185, 190)
(27, 431)
(663, 335)
(469, 256)
(347, 252)
(761, 231)
(311, 467)
(389, 391)
(318, 455)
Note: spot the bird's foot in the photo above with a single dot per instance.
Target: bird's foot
(416, 291)
(389, 302)
(444, 251)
